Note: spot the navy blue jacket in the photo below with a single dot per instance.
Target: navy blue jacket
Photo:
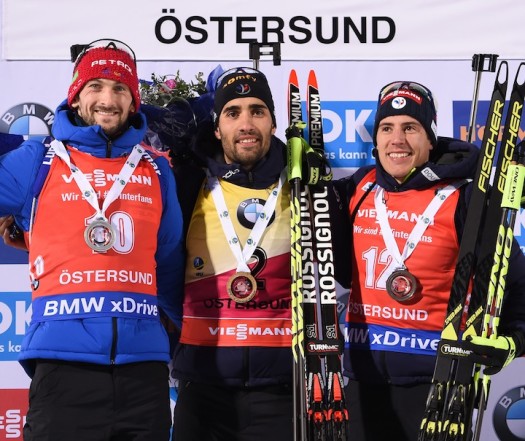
(230, 366)
(451, 159)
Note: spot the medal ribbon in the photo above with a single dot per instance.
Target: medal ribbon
(421, 225)
(243, 255)
(85, 187)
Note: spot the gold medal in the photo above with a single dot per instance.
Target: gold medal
(401, 285)
(100, 235)
(242, 287)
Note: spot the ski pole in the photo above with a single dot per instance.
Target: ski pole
(294, 159)
(480, 63)
(257, 49)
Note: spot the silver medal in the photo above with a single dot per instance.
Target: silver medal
(100, 235)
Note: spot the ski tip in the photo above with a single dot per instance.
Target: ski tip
(312, 79)
(293, 78)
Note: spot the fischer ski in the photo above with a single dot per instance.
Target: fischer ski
(512, 196)
(321, 410)
(453, 392)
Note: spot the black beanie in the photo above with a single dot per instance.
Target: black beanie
(242, 83)
(407, 98)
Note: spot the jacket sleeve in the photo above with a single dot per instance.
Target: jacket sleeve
(341, 230)
(170, 249)
(18, 170)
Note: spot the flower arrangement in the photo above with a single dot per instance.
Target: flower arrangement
(175, 109)
(164, 90)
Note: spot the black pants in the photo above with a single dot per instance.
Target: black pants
(212, 413)
(385, 412)
(88, 402)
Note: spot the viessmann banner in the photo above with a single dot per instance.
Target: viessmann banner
(221, 30)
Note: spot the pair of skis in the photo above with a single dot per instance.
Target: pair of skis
(458, 389)
(319, 404)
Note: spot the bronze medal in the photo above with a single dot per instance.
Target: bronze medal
(100, 235)
(242, 287)
(401, 285)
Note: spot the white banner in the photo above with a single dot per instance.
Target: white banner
(222, 30)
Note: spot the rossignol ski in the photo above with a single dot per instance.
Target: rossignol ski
(320, 406)
(454, 392)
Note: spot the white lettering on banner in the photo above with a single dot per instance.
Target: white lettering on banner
(103, 276)
(12, 423)
(100, 178)
(390, 338)
(352, 124)
(342, 154)
(21, 318)
(29, 109)
(387, 312)
(243, 330)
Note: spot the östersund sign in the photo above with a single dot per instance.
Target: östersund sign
(324, 30)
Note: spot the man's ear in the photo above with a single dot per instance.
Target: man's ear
(217, 133)
(75, 103)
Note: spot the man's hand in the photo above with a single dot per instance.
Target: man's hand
(494, 353)
(11, 238)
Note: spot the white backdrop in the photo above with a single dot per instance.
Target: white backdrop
(431, 42)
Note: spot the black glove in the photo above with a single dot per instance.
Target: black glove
(494, 353)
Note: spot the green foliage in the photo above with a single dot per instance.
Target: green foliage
(163, 90)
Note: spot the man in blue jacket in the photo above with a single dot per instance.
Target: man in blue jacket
(103, 228)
